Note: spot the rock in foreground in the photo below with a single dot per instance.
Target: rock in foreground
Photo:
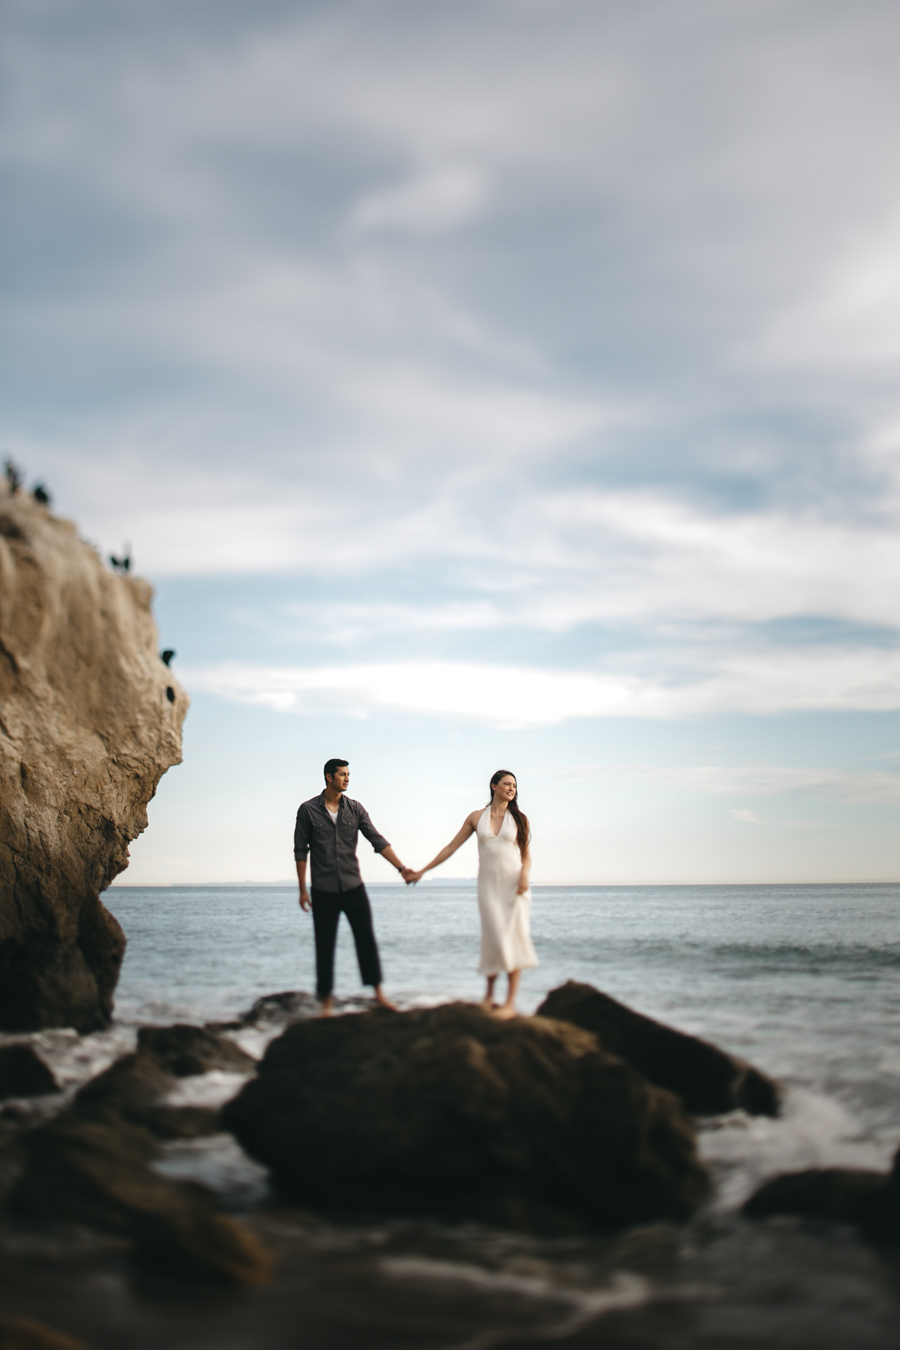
(708, 1080)
(451, 1112)
(92, 1166)
(187, 1050)
(91, 719)
(24, 1074)
(871, 1200)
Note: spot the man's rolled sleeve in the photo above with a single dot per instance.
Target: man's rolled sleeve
(378, 841)
(301, 835)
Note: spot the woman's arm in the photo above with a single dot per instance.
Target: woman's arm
(525, 873)
(456, 842)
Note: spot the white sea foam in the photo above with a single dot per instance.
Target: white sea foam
(813, 1131)
(211, 1089)
(220, 1163)
(74, 1058)
(577, 1306)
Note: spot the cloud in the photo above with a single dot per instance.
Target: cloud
(849, 787)
(441, 198)
(518, 696)
(749, 817)
(580, 312)
(494, 695)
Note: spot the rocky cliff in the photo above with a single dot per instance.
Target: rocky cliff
(90, 719)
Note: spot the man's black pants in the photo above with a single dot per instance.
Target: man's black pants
(327, 907)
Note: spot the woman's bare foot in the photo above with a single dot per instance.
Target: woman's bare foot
(506, 1011)
(383, 1001)
(487, 1002)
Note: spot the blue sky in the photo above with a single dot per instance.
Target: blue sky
(504, 384)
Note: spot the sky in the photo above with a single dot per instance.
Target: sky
(505, 384)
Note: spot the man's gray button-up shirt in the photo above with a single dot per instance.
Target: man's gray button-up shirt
(333, 846)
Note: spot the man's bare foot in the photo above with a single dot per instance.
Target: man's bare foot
(506, 1012)
(383, 1001)
(327, 1008)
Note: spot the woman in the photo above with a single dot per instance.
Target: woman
(504, 899)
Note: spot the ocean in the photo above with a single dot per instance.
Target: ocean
(803, 981)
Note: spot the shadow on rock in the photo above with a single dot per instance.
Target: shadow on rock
(449, 1111)
(708, 1080)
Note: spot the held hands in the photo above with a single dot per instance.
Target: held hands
(409, 876)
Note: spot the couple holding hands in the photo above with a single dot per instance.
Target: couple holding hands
(327, 830)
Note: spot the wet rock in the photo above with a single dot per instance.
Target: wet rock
(23, 1333)
(86, 733)
(449, 1111)
(128, 1088)
(131, 1089)
(187, 1050)
(24, 1074)
(708, 1080)
(870, 1200)
(181, 1122)
(92, 1166)
(287, 1006)
(95, 1171)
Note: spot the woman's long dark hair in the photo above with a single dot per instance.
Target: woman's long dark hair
(518, 816)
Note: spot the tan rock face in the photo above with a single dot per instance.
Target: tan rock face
(90, 719)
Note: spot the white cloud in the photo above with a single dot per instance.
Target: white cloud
(441, 198)
(749, 817)
(495, 695)
(650, 198)
(851, 787)
(516, 696)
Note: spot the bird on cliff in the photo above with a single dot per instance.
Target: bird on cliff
(40, 494)
(13, 476)
(122, 564)
(166, 656)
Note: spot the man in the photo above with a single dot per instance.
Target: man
(328, 827)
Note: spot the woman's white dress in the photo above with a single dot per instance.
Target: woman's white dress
(505, 934)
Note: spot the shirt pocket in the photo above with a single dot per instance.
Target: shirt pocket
(323, 832)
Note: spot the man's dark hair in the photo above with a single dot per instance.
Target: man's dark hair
(332, 764)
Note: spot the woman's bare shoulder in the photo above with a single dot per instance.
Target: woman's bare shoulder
(474, 816)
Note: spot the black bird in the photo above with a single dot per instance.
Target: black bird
(40, 494)
(122, 564)
(13, 476)
(166, 656)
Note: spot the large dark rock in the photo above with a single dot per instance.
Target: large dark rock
(91, 719)
(453, 1112)
(187, 1050)
(708, 1080)
(92, 1165)
(24, 1074)
(871, 1200)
